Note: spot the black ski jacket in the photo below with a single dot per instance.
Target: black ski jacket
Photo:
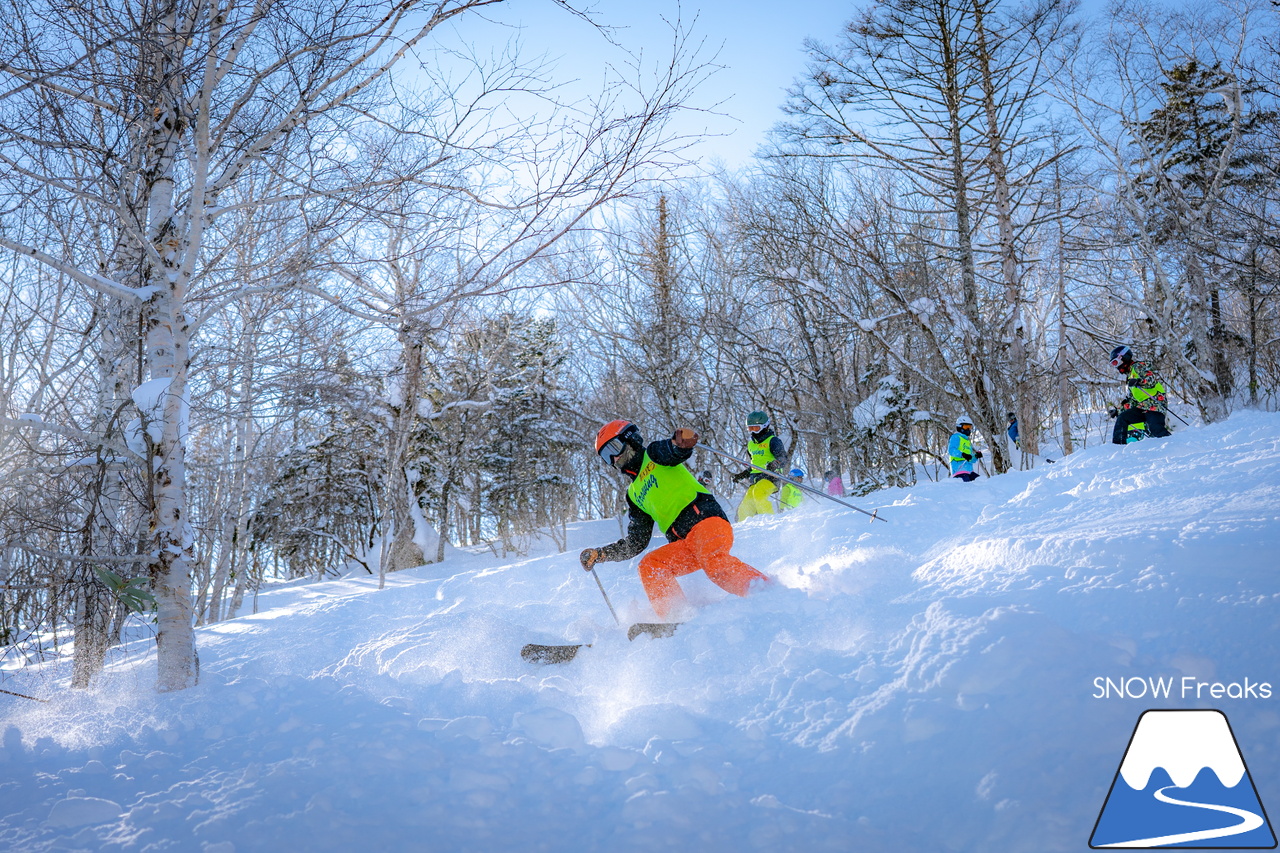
(640, 523)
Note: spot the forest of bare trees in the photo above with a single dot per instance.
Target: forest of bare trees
(286, 295)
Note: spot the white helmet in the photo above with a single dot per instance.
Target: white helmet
(962, 420)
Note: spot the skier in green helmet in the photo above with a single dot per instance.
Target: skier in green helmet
(767, 451)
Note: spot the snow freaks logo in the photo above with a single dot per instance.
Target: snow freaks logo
(1183, 783)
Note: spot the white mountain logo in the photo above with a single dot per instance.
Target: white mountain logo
(1183, 783)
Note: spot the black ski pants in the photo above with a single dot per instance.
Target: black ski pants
(1155, 424)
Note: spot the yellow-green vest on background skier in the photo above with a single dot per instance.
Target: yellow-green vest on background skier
(789, 496)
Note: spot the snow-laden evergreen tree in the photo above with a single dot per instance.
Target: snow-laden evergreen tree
(1200, 157)
(321, 512)
(527, 451)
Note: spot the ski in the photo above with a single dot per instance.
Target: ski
(544, 654)
(653, 629)
(537, 653)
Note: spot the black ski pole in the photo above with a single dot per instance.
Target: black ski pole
(983, 466)
(606, 596)
(874, 515)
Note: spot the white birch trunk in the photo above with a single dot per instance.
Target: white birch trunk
(402, 551)
(174, 240)
(1015, 332)
(234, 523)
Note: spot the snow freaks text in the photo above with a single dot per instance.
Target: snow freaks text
(1186, 687)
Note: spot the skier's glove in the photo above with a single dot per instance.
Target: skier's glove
(589, 557)
(1113, 412)
(685, 438)
(740, 476)
(977, 454)
(966, 457)
(1133, 382)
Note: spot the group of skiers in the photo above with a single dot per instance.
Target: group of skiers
(1140, 415)
(663, 491)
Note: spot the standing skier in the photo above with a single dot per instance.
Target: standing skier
(767, 451)
(834, 483)
(789, 497)
(962, 452)
(664, 491)
(1146, 392)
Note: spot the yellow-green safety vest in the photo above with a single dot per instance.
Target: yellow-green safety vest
(965, 445)
(1141, 395)
(761, 455)
(791, 497)
(663, 491)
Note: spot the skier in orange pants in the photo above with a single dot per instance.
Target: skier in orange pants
(663, 491)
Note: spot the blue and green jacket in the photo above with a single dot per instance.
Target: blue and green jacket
(961, 451)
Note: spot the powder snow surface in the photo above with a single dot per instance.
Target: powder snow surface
(921, 685)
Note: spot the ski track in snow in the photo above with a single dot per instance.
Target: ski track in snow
(920, 685)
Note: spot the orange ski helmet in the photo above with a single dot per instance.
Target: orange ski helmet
(615, 435)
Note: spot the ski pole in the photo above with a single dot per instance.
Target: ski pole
(23, 696)
(801, 486)
(1168, 410)
(606, 596)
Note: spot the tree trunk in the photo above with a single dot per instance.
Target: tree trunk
(1015, 332)
(974, 344)
(444, 520)
(402, 552)
(1213, 405)
(1065, 407)
(234, 524)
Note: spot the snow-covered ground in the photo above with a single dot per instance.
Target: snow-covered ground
(922, 685)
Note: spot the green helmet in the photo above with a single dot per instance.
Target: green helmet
(759, 420)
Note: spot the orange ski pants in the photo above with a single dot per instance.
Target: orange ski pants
(706, 548)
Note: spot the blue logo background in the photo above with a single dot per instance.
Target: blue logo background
(1205, 814)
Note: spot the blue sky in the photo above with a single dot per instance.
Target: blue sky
(758, 43)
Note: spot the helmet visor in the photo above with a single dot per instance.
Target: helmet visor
(611, 448)
(755, 428)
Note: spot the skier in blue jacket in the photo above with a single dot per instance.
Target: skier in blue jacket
(962, 452)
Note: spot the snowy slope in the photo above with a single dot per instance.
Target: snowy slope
(926, 684)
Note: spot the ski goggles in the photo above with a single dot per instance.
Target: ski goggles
(755, 428)
(611, 448)
(1118, 361)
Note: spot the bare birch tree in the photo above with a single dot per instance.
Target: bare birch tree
(155, 119)
(943, 93)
